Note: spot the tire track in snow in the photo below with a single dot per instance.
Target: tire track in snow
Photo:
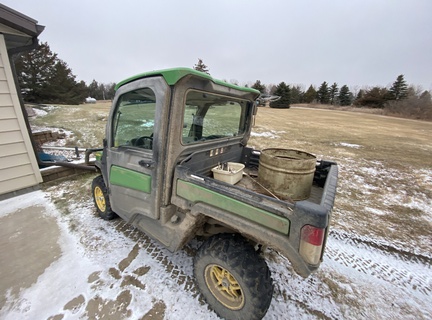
(381, 260)
(373, 258)
(161, 255)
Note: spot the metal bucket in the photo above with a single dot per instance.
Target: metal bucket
(287, 173)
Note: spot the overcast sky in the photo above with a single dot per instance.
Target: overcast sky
(354, 42)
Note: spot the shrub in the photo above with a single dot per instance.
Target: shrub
(412, 107)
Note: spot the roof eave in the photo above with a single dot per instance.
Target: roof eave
(19, 21)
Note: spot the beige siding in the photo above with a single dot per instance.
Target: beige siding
(18, 164)
(7, 112)
(9, 149)
(15, 160)
(11, 137)
(4, 88)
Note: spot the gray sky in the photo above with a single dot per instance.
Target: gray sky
(354, 42)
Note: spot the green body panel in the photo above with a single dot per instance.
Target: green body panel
(173, 75)
(130, 179)
(196, 193)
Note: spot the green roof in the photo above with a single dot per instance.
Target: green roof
(173, 75)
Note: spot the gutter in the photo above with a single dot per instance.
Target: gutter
(33, 45)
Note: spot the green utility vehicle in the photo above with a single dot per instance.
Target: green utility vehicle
(166, 131)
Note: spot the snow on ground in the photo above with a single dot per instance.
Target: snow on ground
(89, 254)
(111, 268)
(348, 145)
(40, 112)
(272, 134)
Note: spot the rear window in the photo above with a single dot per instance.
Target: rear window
(209, 116)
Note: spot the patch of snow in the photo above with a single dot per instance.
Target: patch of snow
(268, 134)
(16, 203)
(40, 112)
(147, 124)
(371, 171)
(375, 211)
(348, 145)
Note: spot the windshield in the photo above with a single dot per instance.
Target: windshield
(209, 116)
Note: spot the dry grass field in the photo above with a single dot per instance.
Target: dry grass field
(85, 123)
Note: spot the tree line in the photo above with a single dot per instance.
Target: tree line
(400, 99)
(45, 78)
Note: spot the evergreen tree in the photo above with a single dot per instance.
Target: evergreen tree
(200, 66)
(43, 77)
(333, 93)
(62, 87)
(296, 94)
(93, 89)
(34, 69)
(373, 98)
(323, 93)
(345, 96)
(101, 91)
(310, 95)
(284, 92)
(399, 89)
(259, 86)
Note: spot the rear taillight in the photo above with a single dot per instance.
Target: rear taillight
(311, 243)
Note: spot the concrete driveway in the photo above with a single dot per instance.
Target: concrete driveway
(77, 266)
(28, 245)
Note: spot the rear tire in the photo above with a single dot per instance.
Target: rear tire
(101, 199)
(233, 278)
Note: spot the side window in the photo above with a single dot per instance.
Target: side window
(134, 119)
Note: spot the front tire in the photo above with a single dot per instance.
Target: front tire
(101, 199)
(233, 278)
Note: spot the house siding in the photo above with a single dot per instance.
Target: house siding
(18, 164)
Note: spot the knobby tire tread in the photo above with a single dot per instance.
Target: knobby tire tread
(241, 257)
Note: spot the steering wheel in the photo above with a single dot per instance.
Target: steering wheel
(145, 142)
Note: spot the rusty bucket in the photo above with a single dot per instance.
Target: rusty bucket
(286, 172)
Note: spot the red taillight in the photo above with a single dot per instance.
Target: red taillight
(311, 243)
(312, 235)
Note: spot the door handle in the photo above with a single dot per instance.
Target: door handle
(146, 163)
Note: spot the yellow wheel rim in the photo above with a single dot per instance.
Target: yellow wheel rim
(224, 287)
(100, 199)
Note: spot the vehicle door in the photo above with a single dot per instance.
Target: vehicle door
(136, 139)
